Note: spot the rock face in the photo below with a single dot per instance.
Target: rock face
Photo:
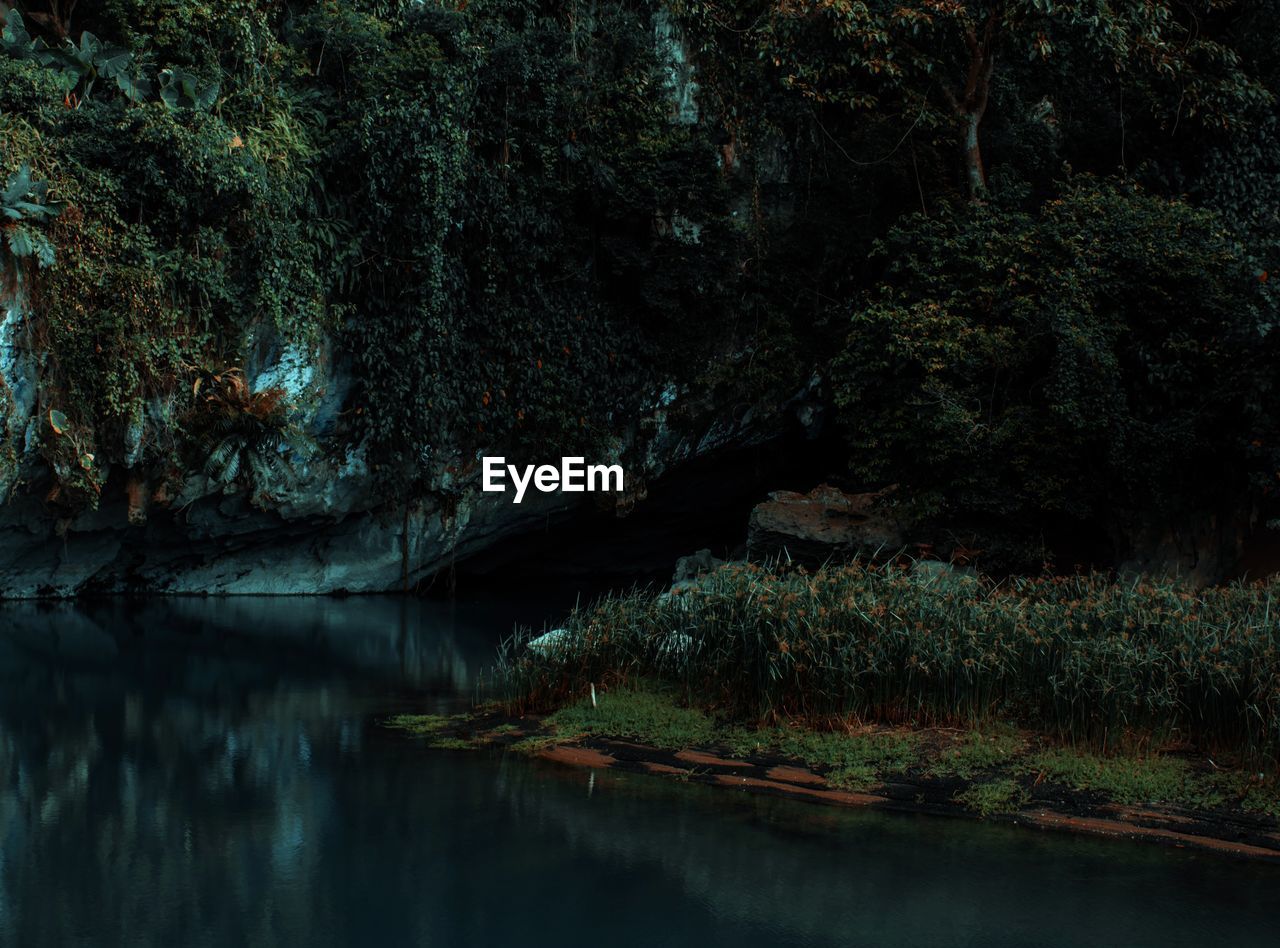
(327, 531)
(17, 389)
(682, 84)
(223, 545)
(824, 524)
(691, 567)
(324, 533)
(326, 537)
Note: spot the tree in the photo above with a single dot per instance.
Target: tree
(1106, 358)
(939, 58)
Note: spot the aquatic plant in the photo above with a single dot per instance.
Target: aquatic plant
(1103, 663)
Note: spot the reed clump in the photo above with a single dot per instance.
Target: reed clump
(1086, 659)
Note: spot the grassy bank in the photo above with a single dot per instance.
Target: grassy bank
(991, 770)
(1094, 664)
(1132, 709)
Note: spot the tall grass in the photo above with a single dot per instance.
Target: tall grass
(1084, 658)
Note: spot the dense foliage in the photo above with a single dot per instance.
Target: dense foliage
(511, 268)
(1026, 243)
(477, 205)
(1107, 353)
(1100, 663)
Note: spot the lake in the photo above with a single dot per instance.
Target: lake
(214, 772)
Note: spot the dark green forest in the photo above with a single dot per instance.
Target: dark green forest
(1025, 245)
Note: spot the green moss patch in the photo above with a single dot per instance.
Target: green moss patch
(978, 751)
(998, 796)
(650, 716)
(420, 725)
(438, 730)
(854, 760)
(1158, 780)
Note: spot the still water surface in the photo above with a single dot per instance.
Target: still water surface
(213, 772)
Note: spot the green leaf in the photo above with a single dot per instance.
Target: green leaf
(137, 88)
(15, 38)
(45, 255)
(18, 187)
(180, 89)
(58, 421)
(20, 242)
(90, 45)
(19, 199)
(112, 61)
(207, 96)
(69, 59)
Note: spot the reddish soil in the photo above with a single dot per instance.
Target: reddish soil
(577, 756)
(655, 768)
(1102, 827)
(709, 760)
(788, 774)
(1208, 831)
(838, 797)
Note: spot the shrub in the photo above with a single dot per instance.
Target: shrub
(1102, 663)
(1105, 357)
(243, 435)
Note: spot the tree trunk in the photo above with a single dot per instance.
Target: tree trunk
(977, 174)
(970, 104)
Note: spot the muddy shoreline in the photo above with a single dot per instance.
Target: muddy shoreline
(1049, 805)
(1059, 811)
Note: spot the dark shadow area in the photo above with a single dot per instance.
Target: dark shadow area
(705, 504)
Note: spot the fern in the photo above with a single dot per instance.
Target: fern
(247, 437)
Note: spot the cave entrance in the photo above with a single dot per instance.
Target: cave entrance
(702, 504)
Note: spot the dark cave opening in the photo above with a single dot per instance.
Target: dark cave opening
(705, 504)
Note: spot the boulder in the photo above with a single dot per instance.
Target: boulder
(689, 568)
(824, 524)
(549, 643)
(946, 576)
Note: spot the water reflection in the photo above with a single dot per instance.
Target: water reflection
(181, 754)
(211, 772)
(233, 642)
(817, 876)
